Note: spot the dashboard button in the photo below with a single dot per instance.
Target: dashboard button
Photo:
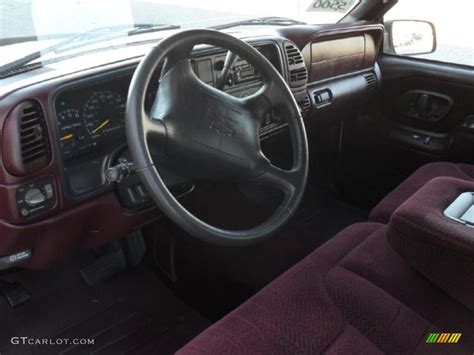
(48, 188)
(34, 197)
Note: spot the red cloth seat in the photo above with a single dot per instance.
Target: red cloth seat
(384, 210)
(354, 295)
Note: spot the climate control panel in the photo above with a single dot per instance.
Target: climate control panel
(35, 198)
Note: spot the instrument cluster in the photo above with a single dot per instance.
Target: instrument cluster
(90, 114)
(93, 117)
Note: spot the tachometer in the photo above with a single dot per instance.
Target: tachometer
(71, 131)
(104, 114)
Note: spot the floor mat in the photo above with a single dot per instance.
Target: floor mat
(132, 313)
(216, 279)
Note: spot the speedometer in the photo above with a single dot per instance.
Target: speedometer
(71, 131)
(104, 114)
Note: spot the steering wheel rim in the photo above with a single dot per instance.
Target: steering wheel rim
(213, 133)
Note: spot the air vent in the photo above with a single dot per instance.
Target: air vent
(293, 55)
(371, 79)
(298, 77)
(305, 107)
(298, 74)
(33, 140)
(25, 139)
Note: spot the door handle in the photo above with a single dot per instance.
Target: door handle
(422, 105)
(425, 105)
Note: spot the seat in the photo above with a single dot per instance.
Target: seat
(354, 295)
(384, 210)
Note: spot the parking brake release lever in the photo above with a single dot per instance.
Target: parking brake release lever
(117, 173)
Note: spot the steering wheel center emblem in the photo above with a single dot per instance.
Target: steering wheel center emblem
(220, 116)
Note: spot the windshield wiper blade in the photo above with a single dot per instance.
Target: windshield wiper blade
(85, 39)
(260, 21)
(149, 28)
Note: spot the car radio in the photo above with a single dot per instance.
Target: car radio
(244, 72)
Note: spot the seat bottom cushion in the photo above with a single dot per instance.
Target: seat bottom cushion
(352, 295)
(384, 210)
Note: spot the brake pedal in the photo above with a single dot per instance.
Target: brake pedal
(114, 258)
(105, 266)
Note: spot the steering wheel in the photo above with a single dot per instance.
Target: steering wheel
(204, 133)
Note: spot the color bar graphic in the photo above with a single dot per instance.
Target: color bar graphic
(443, 338)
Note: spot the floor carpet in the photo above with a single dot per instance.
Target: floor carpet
(131, 313)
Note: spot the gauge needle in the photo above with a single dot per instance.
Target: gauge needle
(68, 137)
(102, 125)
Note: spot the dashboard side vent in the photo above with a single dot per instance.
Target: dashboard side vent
(305, 107)
(26, 145)
(371, 80)
(293, 55)
(33, 141)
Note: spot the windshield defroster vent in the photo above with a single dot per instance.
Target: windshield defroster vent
(21, 70)
(26, 145)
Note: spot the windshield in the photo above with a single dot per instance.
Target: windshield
(28, 26)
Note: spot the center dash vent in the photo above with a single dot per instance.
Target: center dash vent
(371, 79)
(298, 74)
(298, 77)
(26, 145)
(293, 55)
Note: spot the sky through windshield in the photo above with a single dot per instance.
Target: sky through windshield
(42, 18)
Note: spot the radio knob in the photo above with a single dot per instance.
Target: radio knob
(34, 197)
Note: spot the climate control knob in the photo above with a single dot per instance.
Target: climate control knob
(34, 197)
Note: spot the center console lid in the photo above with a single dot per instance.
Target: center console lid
(434, 232)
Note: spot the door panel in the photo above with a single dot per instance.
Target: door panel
(425, 113)
(405, 76)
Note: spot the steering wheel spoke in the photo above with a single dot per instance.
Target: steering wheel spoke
(283, 180)
(153, 126)
(258, 104)
(155, 133)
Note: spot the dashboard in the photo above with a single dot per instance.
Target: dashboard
(63, 126)
(90, 115)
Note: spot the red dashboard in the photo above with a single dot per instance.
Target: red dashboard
(57, 141)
